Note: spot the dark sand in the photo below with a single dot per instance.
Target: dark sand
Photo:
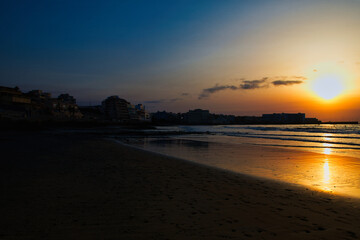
(82, 187)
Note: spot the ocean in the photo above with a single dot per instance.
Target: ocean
(340, 139)
(323, 157)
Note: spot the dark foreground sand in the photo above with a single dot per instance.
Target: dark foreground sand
(68, 187)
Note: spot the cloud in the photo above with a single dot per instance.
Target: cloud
(208, 91)
(246, 85)
(254, 84)
(286, 82)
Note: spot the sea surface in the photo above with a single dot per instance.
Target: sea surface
(324, 157)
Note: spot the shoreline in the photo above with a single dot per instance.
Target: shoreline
(299, 187)
(92, 188)
(319, 172)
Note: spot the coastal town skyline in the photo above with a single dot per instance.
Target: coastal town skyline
(234, 57)
(39, 106)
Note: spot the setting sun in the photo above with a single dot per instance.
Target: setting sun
(328, 86)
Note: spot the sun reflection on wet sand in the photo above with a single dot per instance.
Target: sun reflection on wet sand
(327, 176)
(326, 169)
(323, 171)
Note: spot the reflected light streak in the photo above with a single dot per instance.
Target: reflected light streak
(327, 136)
(326, 171)
(327, 151)
(326, 176)
(327, 146)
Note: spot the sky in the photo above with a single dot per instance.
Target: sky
(231, 57)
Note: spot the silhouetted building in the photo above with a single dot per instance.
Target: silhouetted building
(9, 90)
(166, 118)
(222, 119)
(133, 113)
(36, 105)
(13, 96)
(66, 98)
(116, 109)
(142, 114)
(197, 116)
(312, 121)
(92, 112)
(13, 104)
(44, 107)
(64, 107)
(284, 118)
(248, 120)
(38, 95)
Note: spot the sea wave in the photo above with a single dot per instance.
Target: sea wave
(302, 136)
(343, 136)
(340, 129)
(279, 137)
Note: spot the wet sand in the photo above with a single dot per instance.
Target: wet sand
(324, 171)
(82, 187)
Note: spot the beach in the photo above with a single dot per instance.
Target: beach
(78, 186)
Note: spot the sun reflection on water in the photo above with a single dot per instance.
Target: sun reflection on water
(327, 146)
(327, 136)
